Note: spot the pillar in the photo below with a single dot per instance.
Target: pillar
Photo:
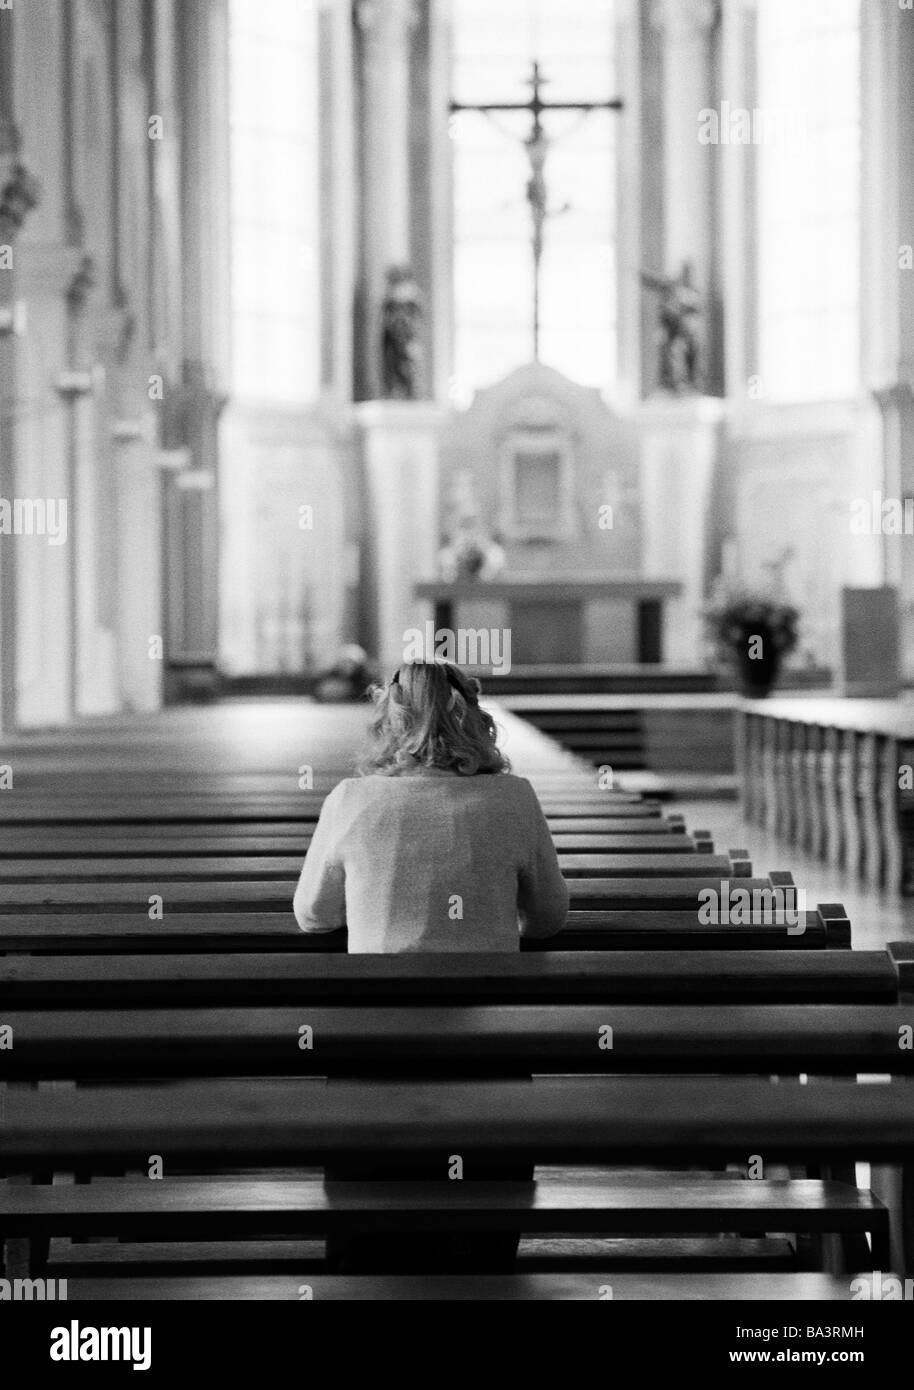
(192, 505)
(400, 452)
(887, 281)
(680, 447)
(737, 204)
(37, 436)
(9, 152)
(689, 86)
(386, 29)
(639, 201)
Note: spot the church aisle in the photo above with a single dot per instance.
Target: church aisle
(235, 737)
(878, 916)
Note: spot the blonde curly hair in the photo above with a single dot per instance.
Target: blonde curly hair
(428, 716)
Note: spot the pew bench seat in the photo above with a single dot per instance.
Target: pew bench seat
(568, 1254)
(284, 977)
(92, 842)
(463, 1288)
(182, 1209)
(111, 833)
(96, 811)
(645, 858)
(617, 884)
(641, 1120)
(237, 1125)
(637, 924)
(622, 883)
(122, 1043)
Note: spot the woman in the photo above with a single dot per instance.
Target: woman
(436, 847)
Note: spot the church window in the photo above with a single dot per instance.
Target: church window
(274, 200)
(809, 199)
(494, 48)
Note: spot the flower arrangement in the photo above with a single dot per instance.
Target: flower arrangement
(754, 630)
(470, 553)
(734, 616)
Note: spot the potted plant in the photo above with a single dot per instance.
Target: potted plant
(753, 630)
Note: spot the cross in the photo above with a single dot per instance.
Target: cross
(537, 145)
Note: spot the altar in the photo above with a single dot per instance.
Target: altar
(587, 620)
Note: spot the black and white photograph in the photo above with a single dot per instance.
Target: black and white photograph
(456, 672)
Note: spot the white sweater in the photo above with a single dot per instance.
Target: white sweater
(432, 861)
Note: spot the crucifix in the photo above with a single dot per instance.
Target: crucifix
(537, 144)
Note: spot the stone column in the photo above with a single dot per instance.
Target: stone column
(680, 447)
(887, 279)
(689, 167)
(337, 198)
(639, 195)
(432, 201)
(9, 134)
(680, 435)
(400, 452)
(34, 272)
(13, 209)
(75, 388)
(737, 204)
(138, 541)
(193, 512)
(386, 28)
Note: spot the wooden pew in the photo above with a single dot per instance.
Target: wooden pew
(825, 928)
(626, 928)
(825, 774)
(671, 854)
(624, 1204)
(649, 904)
(41, 835)
(247, 837)
(561, 1288)
(142, 782)
(62, 811)
(629, 977)
(623, 883)
(52, 846)
(137, 797)
(371, 1040)
(641, 1120)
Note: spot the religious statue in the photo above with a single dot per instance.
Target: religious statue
(18, 197)
(537, 146)
(401, 350)
(82, 284)
(680, 303)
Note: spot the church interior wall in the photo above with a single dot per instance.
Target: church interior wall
(284, 582)
(92, 266)
(122, 266)
(40, 436)
(793, 470)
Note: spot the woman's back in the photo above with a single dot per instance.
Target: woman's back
(439, 849)
(432, 861)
